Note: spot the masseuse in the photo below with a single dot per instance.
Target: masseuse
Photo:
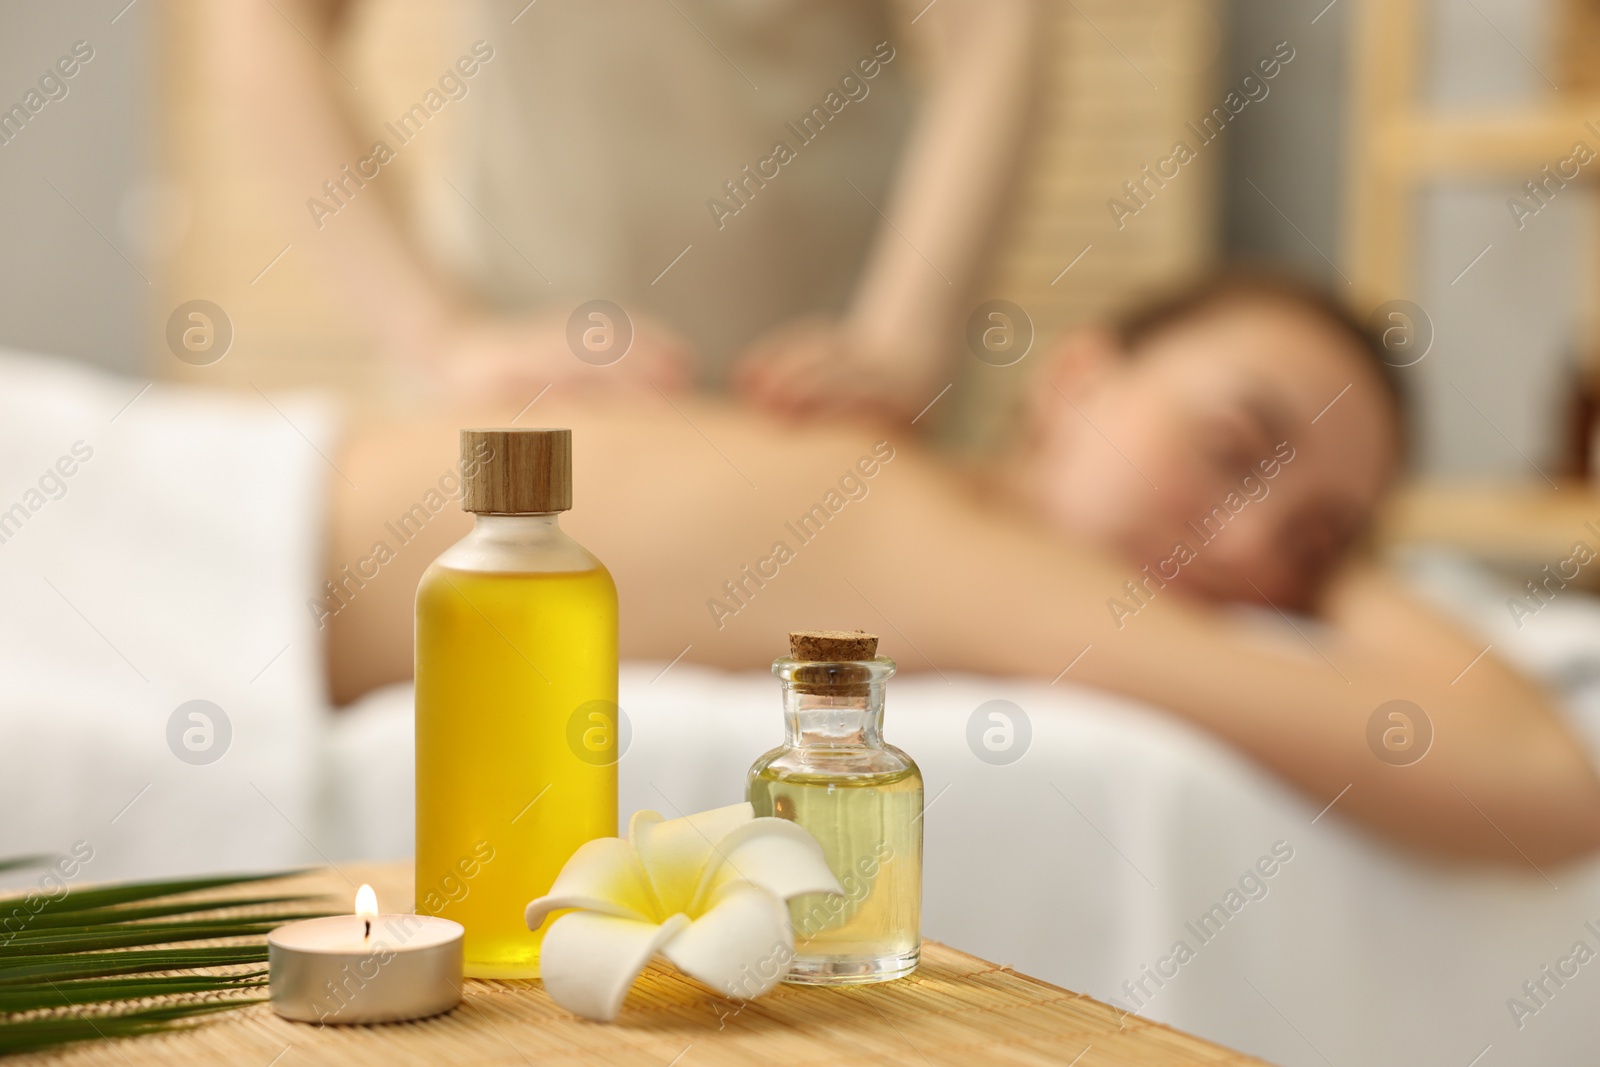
(723, 171)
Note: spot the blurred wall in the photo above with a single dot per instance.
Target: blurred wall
(1511, 328)
(1292, 146)
(1491, 395)
(75, 277)
(1118, 81)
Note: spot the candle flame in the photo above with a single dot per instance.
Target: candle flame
(366, 902)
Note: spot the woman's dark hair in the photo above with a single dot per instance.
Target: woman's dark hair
(1237, 286)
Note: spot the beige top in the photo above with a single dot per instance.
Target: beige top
(602, 130)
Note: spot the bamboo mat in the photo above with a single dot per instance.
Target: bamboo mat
(956, 1010)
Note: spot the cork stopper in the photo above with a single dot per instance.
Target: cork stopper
(832, 646)
(516, 471)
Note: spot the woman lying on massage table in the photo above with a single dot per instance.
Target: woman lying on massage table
(1227, 446)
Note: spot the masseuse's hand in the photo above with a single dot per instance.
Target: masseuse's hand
(815, 366)
(476, 358)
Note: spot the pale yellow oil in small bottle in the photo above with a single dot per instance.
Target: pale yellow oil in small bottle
(860, 798)
(871, 835)
(516, 717)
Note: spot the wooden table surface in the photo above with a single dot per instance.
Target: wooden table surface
(956, 1009)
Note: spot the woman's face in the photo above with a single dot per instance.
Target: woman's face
(1237, 454)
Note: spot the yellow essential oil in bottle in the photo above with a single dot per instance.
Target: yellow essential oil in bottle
(860, 798)
(516, 713)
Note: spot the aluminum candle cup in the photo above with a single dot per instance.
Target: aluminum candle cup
(366, 967)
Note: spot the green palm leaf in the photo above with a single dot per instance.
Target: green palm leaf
(71, 965)
(124, 913)
(19, 862)
(124, 935)
(32, 1034)
(102, 990)
(45, 969)
(126, 892)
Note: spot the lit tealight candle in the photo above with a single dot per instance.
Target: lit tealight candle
(365, 967)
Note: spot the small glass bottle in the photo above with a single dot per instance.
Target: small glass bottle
(516, 715)
(859, 797)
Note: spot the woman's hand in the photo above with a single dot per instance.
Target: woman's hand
(478, 358)
(815, 366)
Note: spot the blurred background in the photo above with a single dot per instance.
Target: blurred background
(1386, 161)
(1430, 161)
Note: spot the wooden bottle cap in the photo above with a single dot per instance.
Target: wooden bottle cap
(832, 646)
(516, 471)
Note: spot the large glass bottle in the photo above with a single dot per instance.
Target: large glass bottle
(860, 798)
(516, 713)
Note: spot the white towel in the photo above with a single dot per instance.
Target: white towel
(157, 546)
(1118, 831)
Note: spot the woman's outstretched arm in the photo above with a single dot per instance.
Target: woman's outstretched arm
(724, 533)
(1505, 778)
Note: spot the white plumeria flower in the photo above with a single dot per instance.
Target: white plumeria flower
(707, 891)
